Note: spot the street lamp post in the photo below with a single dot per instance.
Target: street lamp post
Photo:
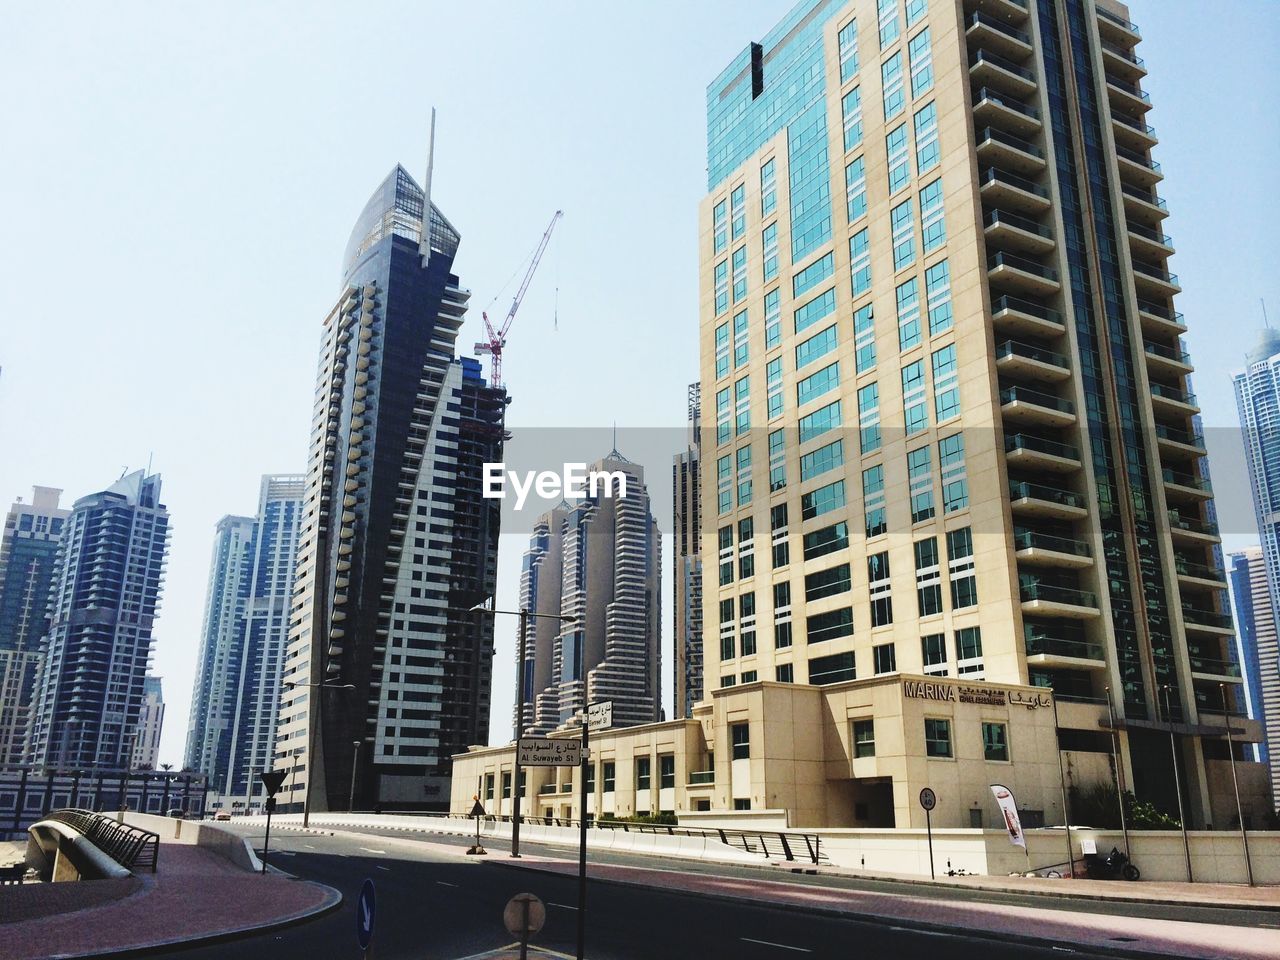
(1115, 758)
(1177, 782)
(1231, 751)
(311, 739)
(524, 616)
(355, 765)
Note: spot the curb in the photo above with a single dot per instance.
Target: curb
(1129, 953)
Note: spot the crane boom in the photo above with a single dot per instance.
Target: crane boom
(498, 336)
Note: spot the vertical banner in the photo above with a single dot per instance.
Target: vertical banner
(1009, 808)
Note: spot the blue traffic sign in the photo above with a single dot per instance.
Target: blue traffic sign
(364, 915)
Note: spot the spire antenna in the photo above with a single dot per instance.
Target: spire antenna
(1265, 322)
(425, 244)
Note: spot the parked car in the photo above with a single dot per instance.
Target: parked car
(222, 815)
(176, 812)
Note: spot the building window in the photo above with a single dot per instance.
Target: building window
(819, 308)
(891, 82)
(831, 625)
(773, 387)
(742, 803)
(747, 624)
(933, 651)
(817, 384)
(769, 240)
(899, 160)
(860, 262)
(666, 771)
(928, 577)
(946, 386)
(885, 658)
(937, 284)
(873, 500)
(855, 189)
(821, 421)
(784, 673)
(729, 680)
(864, 338)
(822, 500)
(937, 737)
(915, 10)
(779, 535)
(928, 153)
(869, 417)
(608, 777)
(591, 778)
(995, 741)
(887, 15)
(772, 319)
(744, 476)
(964, 586)
(488, 786)
(933, 227)
(726, 554)
(722, 350)
(742, 406)
(721, 222)
(724, 416)
(920, 484)
(741, 343)
(819, 543)
(506, 786)
(969, 651)
(728, 643)
(847, 40)
(737, 201)
(864, 738)
(750, 676)
(768, 188)
(836, 668)
(908, 296)
(739, 274)
(915, 408)
(904, 243)
(921, 63)
(816, 347)
(777, 460)
(812, 275)
(782, 615)
(740, 734)
(827, 583)
(879, 589)
(851, 110)
(722, 287)
(524, 783)
(820, 461)
(955, 484)
(642, 773)
(746, 548)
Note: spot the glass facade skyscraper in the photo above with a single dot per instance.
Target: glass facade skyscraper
(397, 543)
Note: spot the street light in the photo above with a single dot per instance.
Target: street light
(1231, 752)
(524, 616)
(1177, 780)
(355, 765)
(311, 739)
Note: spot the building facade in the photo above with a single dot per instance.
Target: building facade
(686, 556)
(90, 688)
(146, 748)
(1259, 656)
(236, 697)
(949, 430)
(28, 553)
(596, 560)
(397, 543)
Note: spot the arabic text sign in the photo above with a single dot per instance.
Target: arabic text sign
(546, 752)
(600, 715)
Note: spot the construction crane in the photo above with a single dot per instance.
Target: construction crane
(498, 336)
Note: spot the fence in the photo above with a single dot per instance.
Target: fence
(128, 846)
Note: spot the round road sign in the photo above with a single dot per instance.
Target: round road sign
(524, 915)
(364, 915)
(928, 799)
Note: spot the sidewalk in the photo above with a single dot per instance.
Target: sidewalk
(1121, 935)
(196, 895)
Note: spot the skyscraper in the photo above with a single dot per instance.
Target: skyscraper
(103, 602)
(397, 543)
(1259, 656)
(597, 560)
(946, 382)
(687, 563)
(236, 698)
(32, 532)
(146, 747)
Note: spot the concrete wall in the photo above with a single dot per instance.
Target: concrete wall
(203, 834)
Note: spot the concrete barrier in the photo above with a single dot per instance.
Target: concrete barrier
(205, 834)
(60, 852)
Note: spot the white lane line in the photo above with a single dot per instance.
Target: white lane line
(381, 867)
(443, 884)
(780, 946)
(308, 846)
(371, 850)
(924, 933)
(562, 906)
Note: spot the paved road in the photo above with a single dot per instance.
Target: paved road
(433, 906)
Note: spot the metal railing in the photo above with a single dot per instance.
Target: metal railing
(1025, 490)
(1029, 307)
(1009, 140)
(127, 845)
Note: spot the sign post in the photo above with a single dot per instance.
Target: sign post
(364, 917)
(271, 779)
(929, 800)
(477, 811)
(524, 916)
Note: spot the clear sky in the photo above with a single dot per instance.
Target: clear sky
(178, 180)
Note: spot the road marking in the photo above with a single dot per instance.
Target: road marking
(923, 933)
(308, 846)
(562, 906)
(371, 850)
(443, 884)
(780, 946)
(381, 867)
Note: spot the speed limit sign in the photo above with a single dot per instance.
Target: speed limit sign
(928, 799)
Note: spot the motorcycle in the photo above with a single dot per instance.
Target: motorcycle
(1113, 866)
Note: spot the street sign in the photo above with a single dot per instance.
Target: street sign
(364, 915)
(548, 752)
(600, 715)
(477, 809)
(273, 780)
(524, 915)
(928, 799)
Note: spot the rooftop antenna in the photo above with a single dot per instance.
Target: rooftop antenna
(1265, 322)
(424, 246)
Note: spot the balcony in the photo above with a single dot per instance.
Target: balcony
(1021, 276)
(1047, 599)
(1122, 61)
(1042, 549)
(1179, 442)
(1031, 362)
(1038, 500)
(997, 148)
(1199, 574)
(1026, 316)
(1047, 651)
(1127, 97)
(702, 778)
(1008, 231)
(988, 69)
(1192, 529)
(1185, 486)
(1167, 360)
(1036, 453)
(1137, 168)
(1206, 621)
(1024, 405)
(1143, 205)
(1115, 28)
(1154, 281)
(1149, 242)
(1132, 133)
(1211, 668)
(1012, 192)
(994, 109)
(1173, 400)
(984, 30)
